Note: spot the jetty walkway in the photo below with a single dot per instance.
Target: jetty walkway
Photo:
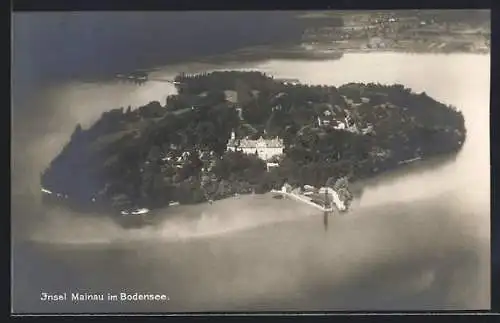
(303, 199)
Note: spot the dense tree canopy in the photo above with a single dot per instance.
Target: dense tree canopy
(155, 154)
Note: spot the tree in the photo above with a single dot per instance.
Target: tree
(77, 134)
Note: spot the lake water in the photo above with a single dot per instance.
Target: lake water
(417, 239)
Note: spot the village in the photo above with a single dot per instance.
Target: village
(397, 30)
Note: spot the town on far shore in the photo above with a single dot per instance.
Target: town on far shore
(398, 30)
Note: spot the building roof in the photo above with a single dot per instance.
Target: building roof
(259, 143)
(288, 80)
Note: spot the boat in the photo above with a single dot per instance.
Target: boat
(51, 197)
(140, 211)
(135, 218)
(46, 191)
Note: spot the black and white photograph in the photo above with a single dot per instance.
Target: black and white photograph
(250, 161)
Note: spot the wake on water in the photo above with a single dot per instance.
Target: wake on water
(222, 218)
(181, 223)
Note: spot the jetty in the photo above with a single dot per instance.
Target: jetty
(303, 199)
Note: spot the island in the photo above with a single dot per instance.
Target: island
(234, 132)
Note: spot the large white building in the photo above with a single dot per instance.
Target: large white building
(264, 148)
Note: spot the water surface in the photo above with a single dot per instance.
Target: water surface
(417, 239)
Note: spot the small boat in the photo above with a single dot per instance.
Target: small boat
(46, 191)
(174, 203)
(135, 218)
(139, 211)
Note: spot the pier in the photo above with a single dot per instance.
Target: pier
(303, 199)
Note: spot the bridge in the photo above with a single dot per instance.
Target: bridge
(143, 78)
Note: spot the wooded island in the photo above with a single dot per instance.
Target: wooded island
(199, 146)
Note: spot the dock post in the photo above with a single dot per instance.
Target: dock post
(325, 220)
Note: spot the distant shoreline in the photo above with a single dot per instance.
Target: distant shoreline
(291, 52)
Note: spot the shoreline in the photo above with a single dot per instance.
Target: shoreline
(220, 187)
(255, 54)
(358, 184)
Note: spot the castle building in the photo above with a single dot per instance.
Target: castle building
(264, 148)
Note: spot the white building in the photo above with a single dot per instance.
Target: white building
(264, 148)
(288, 81)
(340, 126)
(271, 165)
